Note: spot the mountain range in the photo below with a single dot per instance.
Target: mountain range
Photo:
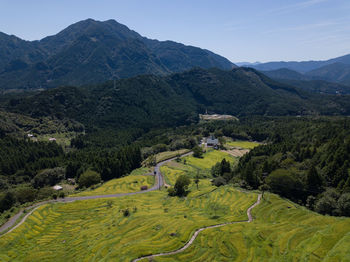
(329, 76)
(301, 67)
(91, 52)
(156, 83)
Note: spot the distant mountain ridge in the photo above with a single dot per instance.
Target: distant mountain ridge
(91, 51)
(336, 72)
(301, 67)
(313, 81)
(330, 76)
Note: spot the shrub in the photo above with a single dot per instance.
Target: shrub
(61, 194)
(126, 212)
(328, 204)
(109, 203)
(7, 201)
(219, 181)
(344, 204)
(89, 178)
(45, 192)
(25, 194)
(171, 191)
(49, 177)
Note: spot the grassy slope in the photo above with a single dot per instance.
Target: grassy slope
(92, 231)
(173, 169)
(209, 159)
(282, 231)
(170, 154)
(95, 231)
(242, 144)
(127, 184)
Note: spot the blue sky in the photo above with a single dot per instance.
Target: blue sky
(250, 30)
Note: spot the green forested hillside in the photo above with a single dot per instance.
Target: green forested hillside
(152, 101)
(306, 160)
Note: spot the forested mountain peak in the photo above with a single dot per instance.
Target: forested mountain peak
(92, 51)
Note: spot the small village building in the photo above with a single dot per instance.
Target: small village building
(212, 142)
(57, 187)
(52, 139)
(71, 181)
(144, 188)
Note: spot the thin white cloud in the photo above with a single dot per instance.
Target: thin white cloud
(280, 10)
(297, 6)
(303, 27)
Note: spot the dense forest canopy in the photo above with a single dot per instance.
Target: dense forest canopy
(151, 101)
(303, 159)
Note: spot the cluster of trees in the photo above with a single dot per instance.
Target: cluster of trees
(29, 169)
(108, 163)
(89, 178)
(18, 154)
(180, 188)
(306, 160)
(221, 172)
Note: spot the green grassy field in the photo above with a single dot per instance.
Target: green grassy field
(127, 184)
(62, 139)
(96, 230)
(242, 144)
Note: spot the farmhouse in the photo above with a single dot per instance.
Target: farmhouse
(212, 142)
(57, 187)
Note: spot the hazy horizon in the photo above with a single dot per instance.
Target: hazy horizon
(242, 32)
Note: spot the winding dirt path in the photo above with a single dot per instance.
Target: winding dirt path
(196, 233)
(159, 182)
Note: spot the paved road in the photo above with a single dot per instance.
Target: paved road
(196, 233)
(159, 183)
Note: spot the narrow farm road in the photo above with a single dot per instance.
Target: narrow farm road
(159, 183)
(196, 233)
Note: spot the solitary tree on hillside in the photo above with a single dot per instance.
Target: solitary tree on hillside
(89, 178)
(196, 180)
(180, 187)
(313, 181)
(263, 188)
(197, 152)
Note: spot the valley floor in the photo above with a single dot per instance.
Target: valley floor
(98, 230)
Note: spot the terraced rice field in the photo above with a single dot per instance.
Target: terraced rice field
(209, 159)
(174, 169)
(127, 184)
(170, 154)
(97, 230)
(282, 231)
(242, 144)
